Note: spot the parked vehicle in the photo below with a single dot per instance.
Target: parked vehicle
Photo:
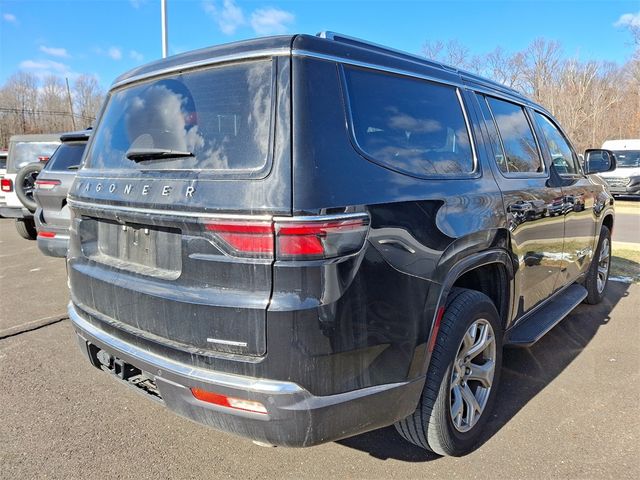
(298, 239)
(23, 150)
(625, 179)
(52, 213)
(3, 171)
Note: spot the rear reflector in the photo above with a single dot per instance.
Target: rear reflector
(47, 184)
(298, 239)
(230, 402)
(43, 158)
(6, 185)
(436, 329)
(46, 234)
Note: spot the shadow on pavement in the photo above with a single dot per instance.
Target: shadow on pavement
(525, 372)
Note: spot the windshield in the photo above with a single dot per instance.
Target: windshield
(66, 157)
(219, 119)
(627, 158)
(28, 152)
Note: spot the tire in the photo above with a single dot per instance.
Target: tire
(598, 274)
(432, 426)
(25, 183)
(26, 228)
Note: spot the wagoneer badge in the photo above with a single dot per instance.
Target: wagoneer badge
(129, 189)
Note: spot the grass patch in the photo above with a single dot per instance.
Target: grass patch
(625, 262)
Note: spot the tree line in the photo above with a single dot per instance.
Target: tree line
(30, 104)
(593, 100)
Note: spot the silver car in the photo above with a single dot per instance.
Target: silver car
(51, 187)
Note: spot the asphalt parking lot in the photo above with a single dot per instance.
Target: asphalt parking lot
(567, 408)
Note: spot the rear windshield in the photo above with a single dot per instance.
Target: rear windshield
(222, 116)
(66, 157)
(3, 162)
(627, 158)
(28, 152)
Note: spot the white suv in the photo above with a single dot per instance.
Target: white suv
(23, 149)
(625, 179)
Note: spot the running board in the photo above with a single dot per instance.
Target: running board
(533, 328)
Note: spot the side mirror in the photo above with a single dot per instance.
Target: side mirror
(597, 160)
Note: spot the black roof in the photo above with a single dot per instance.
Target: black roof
(329, 44)
(77, 136)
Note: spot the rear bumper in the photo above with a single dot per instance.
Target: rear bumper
(15, 212)
(54, 247)
(294, 418)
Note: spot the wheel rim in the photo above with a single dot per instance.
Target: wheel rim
(603, 264)
(29, 184)
(472, 375)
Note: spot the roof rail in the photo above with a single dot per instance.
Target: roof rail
(338, 37)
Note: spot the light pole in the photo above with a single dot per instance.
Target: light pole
(163, 22)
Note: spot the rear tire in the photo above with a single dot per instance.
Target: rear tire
(455, 404)
(26, 228)
(598, 274)
(25, 184)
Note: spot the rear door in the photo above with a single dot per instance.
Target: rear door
(181, 177)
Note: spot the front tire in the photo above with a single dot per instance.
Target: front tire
(463, 377)
(598, 274)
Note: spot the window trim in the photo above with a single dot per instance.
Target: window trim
(580, 174)
(346, 98)
(524, 108)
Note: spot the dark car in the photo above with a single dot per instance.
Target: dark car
(51, 186)
(302, 238)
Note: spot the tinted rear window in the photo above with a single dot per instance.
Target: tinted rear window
(222, 115)
(66, 157)
(410, 125)
(627, 158)
(3, 162)
(28, 152)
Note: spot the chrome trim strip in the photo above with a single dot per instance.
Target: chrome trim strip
(373, 66)
(472, 139)
(181, 369)
(227, 342)
(165, 213)
(276, 52)
(321, 218)
(511, 96)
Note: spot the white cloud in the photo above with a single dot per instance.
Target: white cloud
(266, 21)
(115, 53)
(55, 52)
(44, 68)
(628, 20)
(9, 17)
(229, 18)
(135, 55)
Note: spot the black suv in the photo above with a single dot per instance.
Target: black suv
(302, 238)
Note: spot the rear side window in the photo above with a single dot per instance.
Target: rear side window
(518, 143)
(410, 125)
(66, 157)
(221, 115)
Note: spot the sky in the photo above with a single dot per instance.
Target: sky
(108, 37)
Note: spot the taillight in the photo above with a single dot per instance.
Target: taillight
(47, 184)
(230, 402)
(320, 239)
(244, 238)
(46, 234)
(6, 185)
(295, 239)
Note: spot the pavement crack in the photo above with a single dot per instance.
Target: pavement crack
(31, 326)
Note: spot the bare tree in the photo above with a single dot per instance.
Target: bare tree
(88, 97)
